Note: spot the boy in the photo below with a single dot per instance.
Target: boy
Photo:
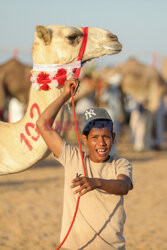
(101, 217)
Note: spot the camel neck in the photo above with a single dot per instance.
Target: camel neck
(26, 146)
(40, 99)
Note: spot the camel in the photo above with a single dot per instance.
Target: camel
(164, 68)
(141, 82)
(14, 82)
(21, 145)
(147, 87)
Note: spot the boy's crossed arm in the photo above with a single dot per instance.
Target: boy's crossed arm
(120, 186)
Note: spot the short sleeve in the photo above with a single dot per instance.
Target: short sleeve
(123, 166)
(68, 154)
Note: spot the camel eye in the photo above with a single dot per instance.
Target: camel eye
(72, 37)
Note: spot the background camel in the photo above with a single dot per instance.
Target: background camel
(164, 68)
(142, 82)
(146, 87)
(14, 82)
(21, 145)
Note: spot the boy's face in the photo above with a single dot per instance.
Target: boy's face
(99, 142)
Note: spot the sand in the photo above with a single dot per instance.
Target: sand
(31, 203)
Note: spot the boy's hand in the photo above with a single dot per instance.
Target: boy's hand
(67, 86)
(86, 184)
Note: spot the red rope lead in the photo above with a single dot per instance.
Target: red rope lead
(77, 130)
(84, 169)
(77, 73)
(76, 210)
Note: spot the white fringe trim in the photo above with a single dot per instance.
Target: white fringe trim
(54, 67)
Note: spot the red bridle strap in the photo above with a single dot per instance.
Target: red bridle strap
(82, 50)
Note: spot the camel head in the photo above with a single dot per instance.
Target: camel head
(56, 44)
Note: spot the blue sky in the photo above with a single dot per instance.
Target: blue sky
(141, 26)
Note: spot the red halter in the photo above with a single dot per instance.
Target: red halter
(82, 50)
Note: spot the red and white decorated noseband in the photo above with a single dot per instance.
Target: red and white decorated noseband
(52, 74)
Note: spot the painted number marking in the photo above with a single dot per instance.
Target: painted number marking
(31, 127)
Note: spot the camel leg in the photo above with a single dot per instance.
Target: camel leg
(148, 120)
(1, 115)
(2, 100)
(158, 121)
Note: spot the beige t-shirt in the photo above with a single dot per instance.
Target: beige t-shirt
(101, 216)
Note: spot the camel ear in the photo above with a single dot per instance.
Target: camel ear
(44, 34)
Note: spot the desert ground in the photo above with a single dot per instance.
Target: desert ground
(31, 203)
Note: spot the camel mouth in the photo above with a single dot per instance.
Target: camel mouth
(110, 49)
(85, 61)
(116, 51)
(117, 48)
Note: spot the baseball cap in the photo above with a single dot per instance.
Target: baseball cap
(94, 114)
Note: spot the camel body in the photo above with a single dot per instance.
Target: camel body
(21, 145)
(141, 82)
(14, 82)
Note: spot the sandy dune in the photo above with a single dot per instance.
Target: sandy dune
(31, 204)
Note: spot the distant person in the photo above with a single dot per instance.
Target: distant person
(85, 103)
(147, 128)
(112, 98)
(158, 127)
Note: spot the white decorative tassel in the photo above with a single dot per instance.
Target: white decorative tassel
(36, 85)
(54, 83)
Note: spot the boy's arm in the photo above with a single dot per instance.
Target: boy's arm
(120, 186)
(51, 137)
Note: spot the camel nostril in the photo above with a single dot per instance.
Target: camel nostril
(113, 37)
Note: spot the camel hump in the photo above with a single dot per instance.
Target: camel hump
(12, 64)
(14, 81)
